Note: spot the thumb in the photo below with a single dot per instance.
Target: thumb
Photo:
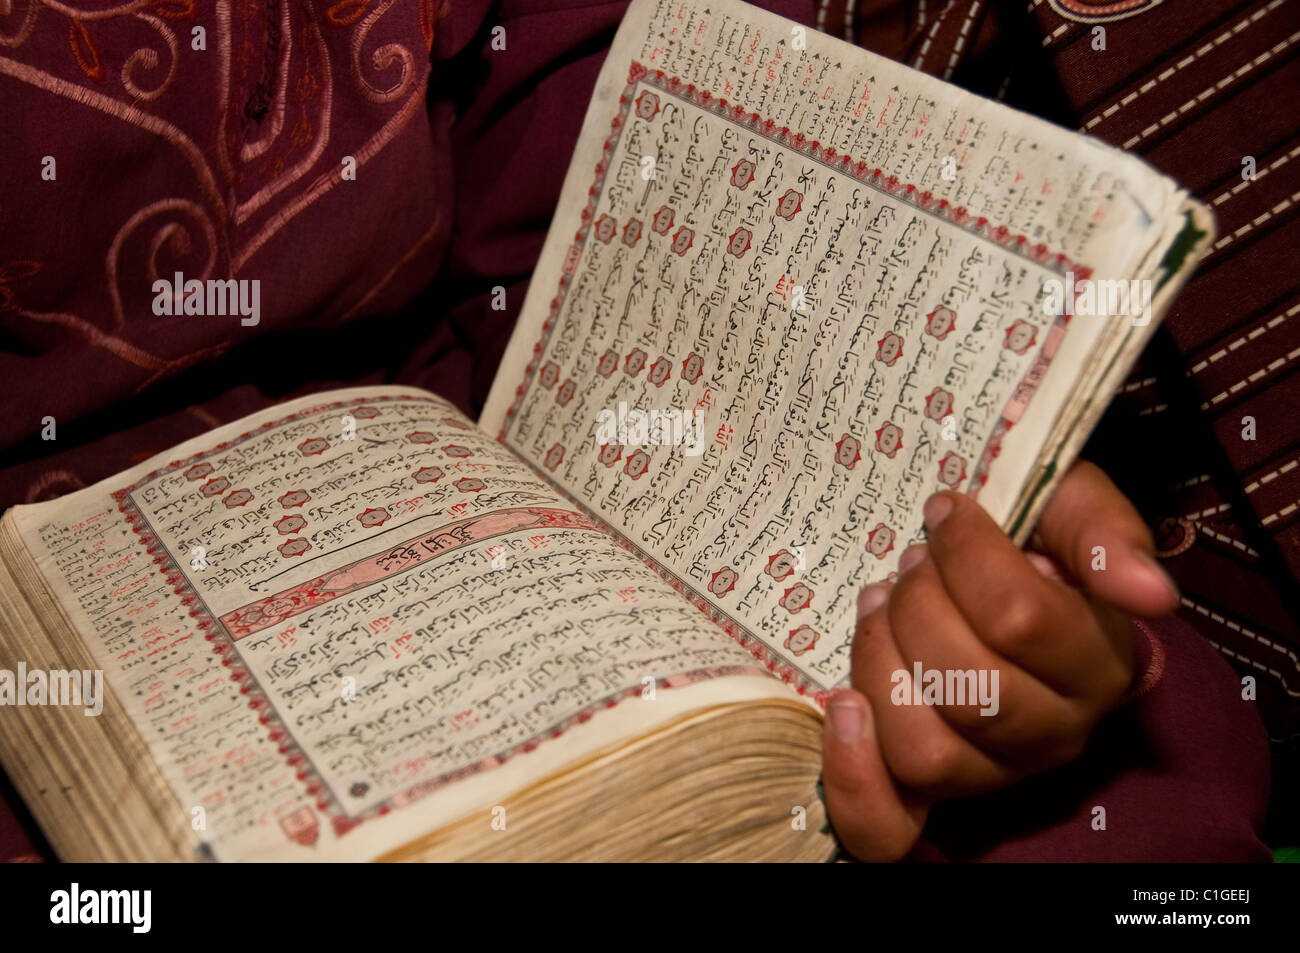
(870, 816)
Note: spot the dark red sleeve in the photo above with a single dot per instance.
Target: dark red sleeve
(1181, 772)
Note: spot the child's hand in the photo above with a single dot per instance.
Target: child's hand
(1055, 629)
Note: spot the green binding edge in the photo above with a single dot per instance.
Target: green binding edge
(840, 853)
(1173, 262)
(1182, 246)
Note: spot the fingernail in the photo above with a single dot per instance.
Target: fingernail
(1043, 564)
(936, 510)
(1150, 562)
(870, 599)
(911, 556)
(846, 719)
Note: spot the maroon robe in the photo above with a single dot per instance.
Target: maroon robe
(460, 151)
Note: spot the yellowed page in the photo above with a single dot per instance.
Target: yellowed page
(844, 268)
(349, 619)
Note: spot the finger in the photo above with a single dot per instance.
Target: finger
(871, 817)
(985, 697)
(921, 750)
(1047, 566)
(1043, 626)
(1094, 530)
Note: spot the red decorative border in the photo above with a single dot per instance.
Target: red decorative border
(874, 178)
(771, 662)
(1101, 12)
(316, 592)
(223, 645)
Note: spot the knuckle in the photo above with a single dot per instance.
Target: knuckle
(906, 589)
(928, 761)
(1113, 684)
(1023, 623)
(914, 597)
(1067, 748)
(1067, 742)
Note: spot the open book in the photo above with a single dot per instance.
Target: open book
(791, 290)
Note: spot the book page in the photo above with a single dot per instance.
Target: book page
(791, 290)
(347, 620)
